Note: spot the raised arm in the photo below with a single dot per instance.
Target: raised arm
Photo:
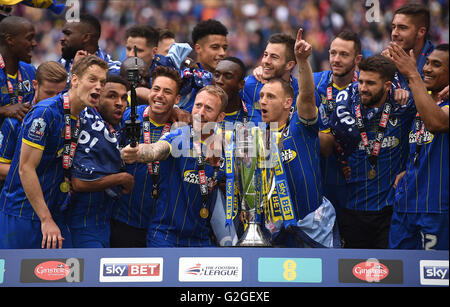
(306, 104)
(434, 118)
(144, 153)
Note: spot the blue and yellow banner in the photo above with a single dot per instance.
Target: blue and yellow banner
(229, 175)
(40, 4)
(282, 187)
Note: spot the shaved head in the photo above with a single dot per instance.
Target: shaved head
(13, 25)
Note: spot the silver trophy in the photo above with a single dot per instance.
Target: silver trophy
(249, 163)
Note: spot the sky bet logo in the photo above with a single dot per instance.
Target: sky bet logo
(434, 272)
(134, 269)
(131, 269)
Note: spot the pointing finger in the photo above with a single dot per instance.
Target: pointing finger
(300, 34)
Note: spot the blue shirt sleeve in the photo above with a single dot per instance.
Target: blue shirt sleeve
(37, 126)
(8, 139)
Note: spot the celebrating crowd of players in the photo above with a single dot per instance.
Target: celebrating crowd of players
(363, 146)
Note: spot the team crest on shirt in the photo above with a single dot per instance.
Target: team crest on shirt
(37, 129)
(322, 111)
(393, 120)
(371, 114)
(27, 85)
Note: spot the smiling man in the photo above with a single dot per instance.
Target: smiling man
(133, 213)
(35, 190)
(17, 41)
(344, 56)
(210, 43)
(373, 130)
(277, 62)
(420, 218)
(410, 27)
(190, 176)
(298, 150)
(209, 38)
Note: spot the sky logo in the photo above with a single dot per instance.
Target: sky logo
(131, 269)
(434, 272)
(115, 270)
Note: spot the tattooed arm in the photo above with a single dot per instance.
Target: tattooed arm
(144, 153)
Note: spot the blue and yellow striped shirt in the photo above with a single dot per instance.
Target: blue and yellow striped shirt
(424, 188)
(135, 209)
(177, 212)
(43, 128)
(300, 155)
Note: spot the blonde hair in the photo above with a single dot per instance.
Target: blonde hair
(51, 71)
(217, 91)
(81, 65)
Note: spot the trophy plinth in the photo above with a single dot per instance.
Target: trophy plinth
(253, 236)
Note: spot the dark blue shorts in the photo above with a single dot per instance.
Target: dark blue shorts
(427, 231)
(20, 233)
(91, 236)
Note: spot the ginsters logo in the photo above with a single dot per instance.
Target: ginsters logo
(370, 270)
(52, 270)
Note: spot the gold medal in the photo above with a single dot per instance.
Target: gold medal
(64, 187)
(371, 174)
(155, 194)
(204, 213)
